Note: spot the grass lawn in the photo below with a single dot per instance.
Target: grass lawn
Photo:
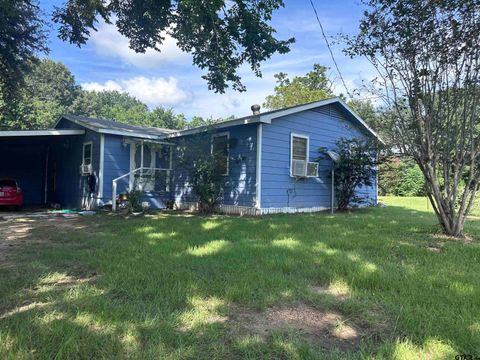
(381, 282)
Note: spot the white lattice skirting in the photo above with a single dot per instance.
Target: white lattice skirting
(251, 211)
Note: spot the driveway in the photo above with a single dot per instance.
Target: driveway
(30, 228)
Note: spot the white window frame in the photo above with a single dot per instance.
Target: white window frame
(227, 134)
(295, 135)
(91, 152)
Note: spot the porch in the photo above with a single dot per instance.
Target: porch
(150, 173)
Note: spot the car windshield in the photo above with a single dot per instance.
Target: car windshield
(8, 182)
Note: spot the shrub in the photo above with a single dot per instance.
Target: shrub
(207, 184)
(412, 182)
(355, 168)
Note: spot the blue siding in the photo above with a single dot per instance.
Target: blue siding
(324, 126)
(69, 184)
(116, 162)
(239, 187)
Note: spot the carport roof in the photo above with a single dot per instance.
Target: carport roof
(49, 132)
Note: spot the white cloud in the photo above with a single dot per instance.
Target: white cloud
(152, 91)
(108, 42)
(109, 85)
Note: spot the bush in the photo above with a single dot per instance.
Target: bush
(207, 182)
(355, 168)
(413, 183)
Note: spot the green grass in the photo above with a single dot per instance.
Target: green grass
(161, 279)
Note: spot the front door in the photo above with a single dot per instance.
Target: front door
(148, 156)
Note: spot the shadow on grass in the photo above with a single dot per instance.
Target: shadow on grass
(163, 279)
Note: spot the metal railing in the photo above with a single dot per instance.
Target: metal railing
(144, 171)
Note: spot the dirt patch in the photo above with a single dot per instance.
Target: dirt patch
(435, 249)
(323, 328)
(19, 232)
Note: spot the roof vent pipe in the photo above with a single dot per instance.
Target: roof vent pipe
(255, 109)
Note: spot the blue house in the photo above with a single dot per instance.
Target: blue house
(269, 162)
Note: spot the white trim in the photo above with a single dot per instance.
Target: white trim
(258, 200)
(131, 134)
(101, 166)
(227, 134)
(268, 117)
(292, 135)
(41, 133)
(91, 153)
(131, 167)
(254, 119)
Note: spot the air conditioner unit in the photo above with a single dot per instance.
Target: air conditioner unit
(85, 169)
(299, 168)
(312, 169)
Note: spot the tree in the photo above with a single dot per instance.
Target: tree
(371, 115)
(427, 57)
(125, 108)
(355, 168)
(221, 35)
(112, 105)
(49, 91)
(201, 121)
(314, 86)
(22, 37)
(166, 118)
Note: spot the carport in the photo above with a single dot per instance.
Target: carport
(44, 163)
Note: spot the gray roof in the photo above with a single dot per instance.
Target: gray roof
(115, 127)
(104, 124)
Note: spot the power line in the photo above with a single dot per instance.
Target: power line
(330, 49)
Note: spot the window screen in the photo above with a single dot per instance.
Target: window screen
(220, 150)
(87, 154)
(299, 148)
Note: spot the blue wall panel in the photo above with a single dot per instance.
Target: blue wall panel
(324, 126)
(240, 184)
(116, 163)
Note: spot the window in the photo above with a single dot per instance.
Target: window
(220, 149)
(298, 154)
(87, 154)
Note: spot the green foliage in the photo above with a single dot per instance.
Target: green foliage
(412, 182)
(207, 183)
(111, 105)
(176, 286)
(401, 177)
(426, 54)
(166, 118)
(221, 35)
(201, 121)
(390, 176)
(314, 86)
(374, 118)
(355, 169)
(204, 169)
(49, 90)
(22, 37)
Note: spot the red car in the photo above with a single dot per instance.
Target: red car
(10, 193)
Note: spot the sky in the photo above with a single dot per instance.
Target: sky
(168, 78)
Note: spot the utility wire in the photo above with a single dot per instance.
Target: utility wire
(330, 49)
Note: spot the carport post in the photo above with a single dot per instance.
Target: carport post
(46, 175)
(114, 195)
(333, 188)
